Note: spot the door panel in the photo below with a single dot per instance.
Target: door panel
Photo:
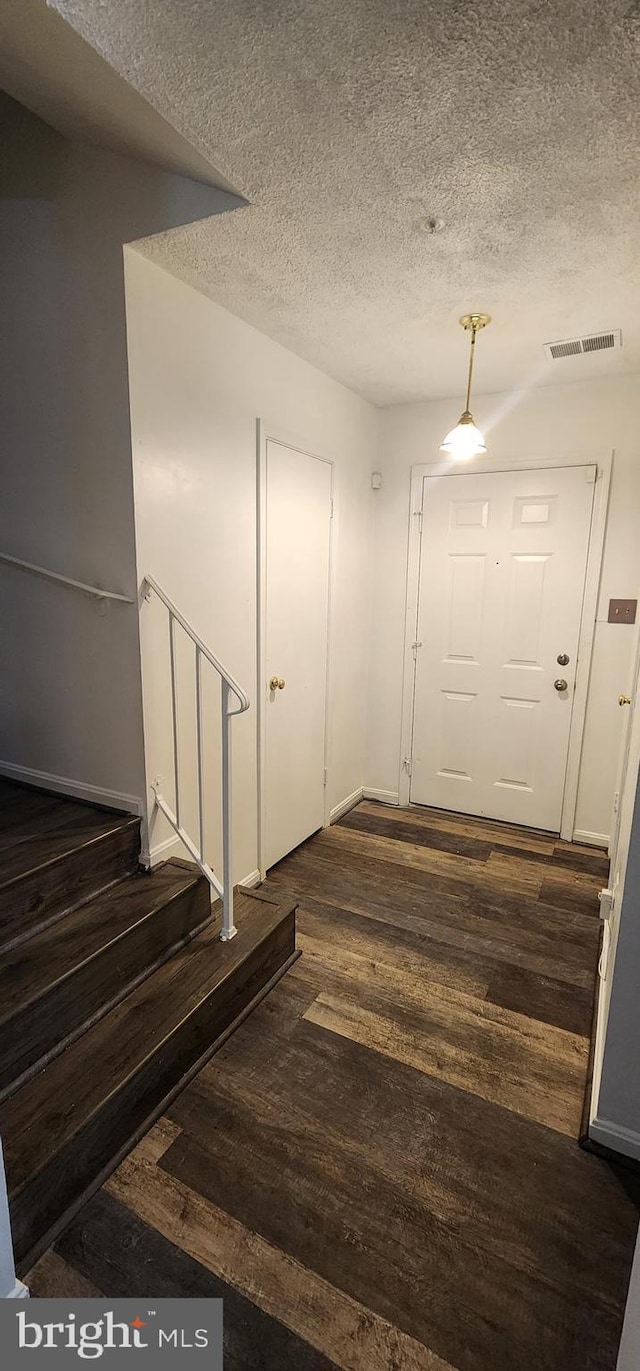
(297, 532)
(502, 572)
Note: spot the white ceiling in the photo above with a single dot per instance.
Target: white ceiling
(47, 67)
(515, 122)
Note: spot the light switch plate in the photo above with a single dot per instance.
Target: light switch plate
(622, 611)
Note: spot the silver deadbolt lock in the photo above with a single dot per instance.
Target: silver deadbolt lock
(562, 660)
(560, 685)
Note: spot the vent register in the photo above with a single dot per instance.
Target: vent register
(575, 347)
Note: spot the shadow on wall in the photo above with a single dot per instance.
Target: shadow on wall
(71, 705)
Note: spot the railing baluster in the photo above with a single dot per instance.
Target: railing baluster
(174, 714)
(228, 928)
(199, 746)
(229, 687)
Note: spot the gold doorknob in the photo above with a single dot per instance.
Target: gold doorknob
(624, 699)
(276, 683)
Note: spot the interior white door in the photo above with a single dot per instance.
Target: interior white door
(297, 511)
(502, 572)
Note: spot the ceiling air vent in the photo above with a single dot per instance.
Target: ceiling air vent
(574, 347)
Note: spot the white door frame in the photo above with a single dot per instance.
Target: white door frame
(611, 901)
(587, 620)
(265, 434)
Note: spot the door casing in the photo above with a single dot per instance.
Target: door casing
(263, 436)
(587, 624)
(612, 897)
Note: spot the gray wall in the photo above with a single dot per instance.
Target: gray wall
(629, 1353)
(70, 690)
(619, 1099)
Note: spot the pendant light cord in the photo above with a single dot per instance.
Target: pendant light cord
(471, 355)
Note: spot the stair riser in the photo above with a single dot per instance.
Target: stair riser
(41, 896)
(39, 1207)
(44, 1027)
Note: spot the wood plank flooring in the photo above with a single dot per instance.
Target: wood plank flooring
(380, 1170)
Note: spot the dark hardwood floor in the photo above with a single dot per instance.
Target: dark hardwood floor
(380, 1170)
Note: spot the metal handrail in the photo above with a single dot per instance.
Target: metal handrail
(229, 686)
(66, 580)
(180, 619)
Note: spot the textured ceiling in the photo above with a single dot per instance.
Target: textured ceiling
(47, 67)
(514, 122)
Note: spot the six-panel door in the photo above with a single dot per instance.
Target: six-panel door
(503, 561)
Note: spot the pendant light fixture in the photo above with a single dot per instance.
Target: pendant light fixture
(465, 440)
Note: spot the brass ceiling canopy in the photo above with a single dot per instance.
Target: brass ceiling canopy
(475, 321)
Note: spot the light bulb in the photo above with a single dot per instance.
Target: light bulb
(464, 441)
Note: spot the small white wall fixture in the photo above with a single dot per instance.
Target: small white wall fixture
(589, 609)
(10, 1287)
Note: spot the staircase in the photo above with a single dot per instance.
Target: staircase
(114, 990)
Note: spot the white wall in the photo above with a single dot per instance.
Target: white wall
(69, 677)
(587, 420)
(199, 379)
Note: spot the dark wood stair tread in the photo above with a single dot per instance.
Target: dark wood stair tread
(17, 828)
(19, 802)
(45, 877)
(41, 963)
(43, 1117)
(114, 989)
(55, 984)
(79, 830)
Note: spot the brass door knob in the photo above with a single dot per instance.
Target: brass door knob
(276, 683)
(560, 685)
(624, 699)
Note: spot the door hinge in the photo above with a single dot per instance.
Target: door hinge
(331, 509)
(606, 898)
(414, 649)
(406, 762)
(607, 914)
(324, 781)
(417, 514)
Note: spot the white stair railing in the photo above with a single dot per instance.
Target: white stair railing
(223, 886)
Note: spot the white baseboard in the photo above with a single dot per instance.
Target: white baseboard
(161, 852)
(77, 790)
(582, 835)
(254, 878)
(386, 797)
(345, 805)
(172, 847)
(19, 1292)
(613, 1135)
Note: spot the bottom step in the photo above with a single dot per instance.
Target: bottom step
(68, 1127)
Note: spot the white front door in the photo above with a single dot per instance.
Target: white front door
(297, 515)
(502, 572)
